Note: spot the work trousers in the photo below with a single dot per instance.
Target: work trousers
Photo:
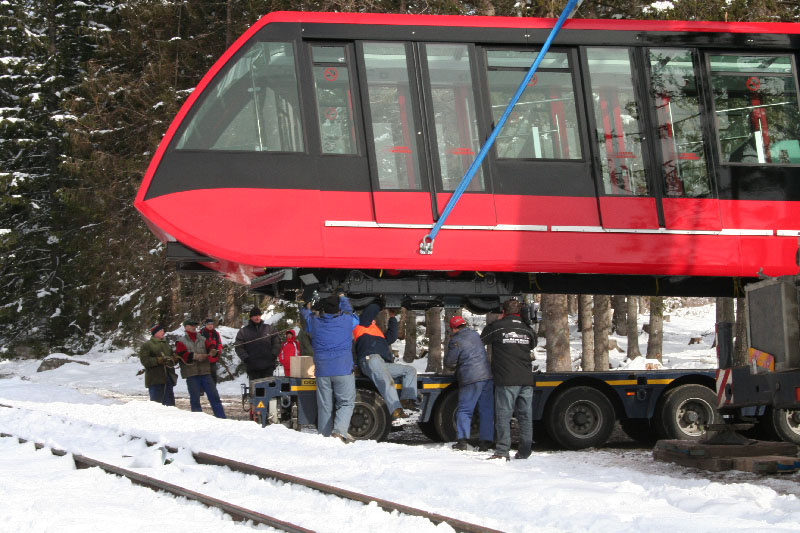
(384, 375)
(480, 393)
(197, 385)
(507, 400)
(162, 394)
(336, 397)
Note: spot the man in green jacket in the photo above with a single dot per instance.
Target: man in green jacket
(157, 358)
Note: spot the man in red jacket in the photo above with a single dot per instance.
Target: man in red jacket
(196, 369)
(213, 345)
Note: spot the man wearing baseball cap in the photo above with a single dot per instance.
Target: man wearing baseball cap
(159, 376)
(465, 353)
(196, 368)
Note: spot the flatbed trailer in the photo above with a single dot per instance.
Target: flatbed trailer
(575, 410)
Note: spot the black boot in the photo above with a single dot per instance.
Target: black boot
(462, 445)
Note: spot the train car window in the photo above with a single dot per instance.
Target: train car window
(391, 113)
(544, 123)
(334, 100)
(616, 114)
(252, 106)
(454, 114)
(677, 101)
(755, 98)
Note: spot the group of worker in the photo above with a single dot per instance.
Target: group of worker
(501, 388)
(336, 331)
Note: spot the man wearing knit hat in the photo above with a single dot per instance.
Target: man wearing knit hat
(258, 345)
(159, 376)
(332, 338)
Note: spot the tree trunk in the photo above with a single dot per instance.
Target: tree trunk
(555, 313)
(619, 320)
(433, 330)
(655, 339)
(740, 341)
(231, 316)
(632, 325)
(724, 313)
(448, 314)
(228, 23)
(410, 327)
(602, 323)
(176, 304)
(572, 304)
(587, 334)
(402, 315)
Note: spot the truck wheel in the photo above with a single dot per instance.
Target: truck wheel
(429, 430)
(641, 431)
(782, 424)
(580, 417)
(444, 416)
(685, 411)
(370, 420)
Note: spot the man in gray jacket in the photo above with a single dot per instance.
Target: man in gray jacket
(465, 353)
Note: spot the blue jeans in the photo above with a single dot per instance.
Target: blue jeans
(199, 384)
(384, 375)
(162, 394)
(506, 401)
(480, 393)
(335, 393)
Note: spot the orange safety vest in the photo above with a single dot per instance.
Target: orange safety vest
(373, 330)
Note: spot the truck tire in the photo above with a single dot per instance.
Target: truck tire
(429, 430)
(782, 424)
(685, 411)
(580, 417)
(370, 420)
(444, 416)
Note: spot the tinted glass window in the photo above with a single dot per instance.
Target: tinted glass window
(616, 115)
(755, 99)
(334, 100)
(674, 92)
(253, 105)
(391, 112)
(543, 124)
(453, 113)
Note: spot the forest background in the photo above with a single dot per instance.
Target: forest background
(87, 90)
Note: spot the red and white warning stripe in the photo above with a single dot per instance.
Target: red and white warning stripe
(724, 379)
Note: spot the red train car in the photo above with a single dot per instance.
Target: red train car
(643, 157)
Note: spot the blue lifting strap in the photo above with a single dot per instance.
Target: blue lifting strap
(426, 246)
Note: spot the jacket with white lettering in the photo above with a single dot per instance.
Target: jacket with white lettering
(512, 341)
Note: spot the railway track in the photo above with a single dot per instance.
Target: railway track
(240, 513)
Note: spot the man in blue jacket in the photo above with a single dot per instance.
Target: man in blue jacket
(465, 353)
(376, 361)
(332, 337)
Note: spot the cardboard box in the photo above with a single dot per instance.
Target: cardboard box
(301, 366)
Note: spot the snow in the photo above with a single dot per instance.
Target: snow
(80, 408)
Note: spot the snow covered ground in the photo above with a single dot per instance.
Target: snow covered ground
(80, 408)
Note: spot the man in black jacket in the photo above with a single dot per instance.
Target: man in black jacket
(258, 345)
(511, 340)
